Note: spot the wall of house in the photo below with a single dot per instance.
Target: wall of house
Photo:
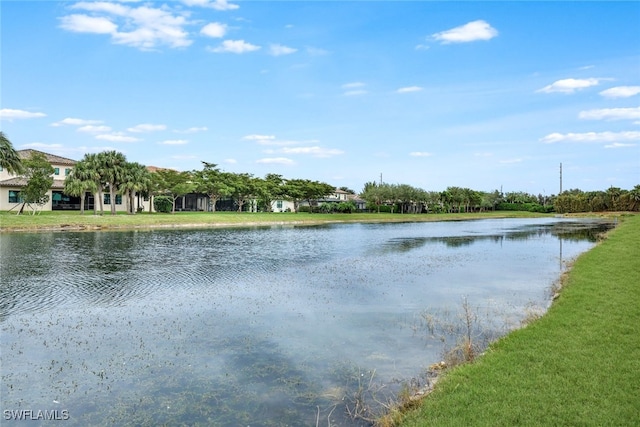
(281, 206)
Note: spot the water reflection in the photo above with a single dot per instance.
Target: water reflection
(257, 326)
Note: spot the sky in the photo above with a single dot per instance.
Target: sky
(485, 95)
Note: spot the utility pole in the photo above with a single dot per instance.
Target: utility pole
(380, 178)
(560, 179)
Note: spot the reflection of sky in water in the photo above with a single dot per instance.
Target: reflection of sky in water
(250, 326)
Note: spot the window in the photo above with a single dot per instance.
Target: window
(107, 199)
(56, 171)
(14, 196)
(67, 171)
(279, 204)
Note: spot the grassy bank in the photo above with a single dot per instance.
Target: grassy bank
(60, 220)
(577, 365)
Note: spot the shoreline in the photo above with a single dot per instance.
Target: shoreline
(58, 221)
(61, 222)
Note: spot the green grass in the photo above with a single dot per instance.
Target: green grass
(579, 365)
(57, 220)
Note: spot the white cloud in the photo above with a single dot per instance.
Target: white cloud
(570, 85)
(353, 85)
(215, 4)
(279, 50)
(147, 127)
(259, 138)
(355, 92)
(193, 130)
(88, 24)
(314, 151)
(174, 142)
(619, 145)
(76, 122)
(621, 92)
(94, 129)
(420, 154)
(422, 47)
(40, 145)
(472, 31)
(611, 114)
(214, 29)
(588, 137)
(409, 89)
(117, 137)
(234, 46)
(10, 114)
(146, 27)
(510, 161)
(276, 161)
(230, 161)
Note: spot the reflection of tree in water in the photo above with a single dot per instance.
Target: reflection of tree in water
(576, 231)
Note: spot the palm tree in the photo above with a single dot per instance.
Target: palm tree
(77, 184)
(634, 196)
(9, 158)
(111, 166)
(87, 169)
(134, 180)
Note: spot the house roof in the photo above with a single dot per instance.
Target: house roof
(21, 182)
(51, 158)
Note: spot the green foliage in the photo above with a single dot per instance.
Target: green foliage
(614, 199)
(342, 207)
(163, 204)
(9, 158)
(37, 171)
(524, 207)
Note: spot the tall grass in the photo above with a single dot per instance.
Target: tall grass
(578, 365)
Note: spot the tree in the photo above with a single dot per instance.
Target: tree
(9, 158)
(174, 184)
(87, 170)
(38, 172)
(269, 189)
(111, 168)
(314, 190)
(293, 190)
(634, 197)
(134, 180)
(242, 186)
(212, 182)
(77, 184)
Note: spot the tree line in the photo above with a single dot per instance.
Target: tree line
(109, 172)
(404, 198)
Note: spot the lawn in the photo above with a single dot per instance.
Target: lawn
(578, 365)
(61, 220)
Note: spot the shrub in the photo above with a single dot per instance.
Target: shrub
(163, 204)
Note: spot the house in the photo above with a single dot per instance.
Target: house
(11, 185)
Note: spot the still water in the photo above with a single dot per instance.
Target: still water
(267, 326)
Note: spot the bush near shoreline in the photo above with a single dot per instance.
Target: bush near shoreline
(577, 365)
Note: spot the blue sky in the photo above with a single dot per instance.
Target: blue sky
(432, 94)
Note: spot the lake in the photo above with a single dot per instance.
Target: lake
(262, 326)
